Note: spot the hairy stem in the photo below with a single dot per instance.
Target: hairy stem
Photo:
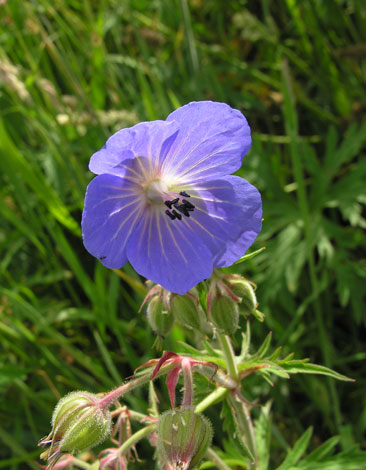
(229, 355)
(111, 397)
(131, 441)
(188, 382)
(239, 408)
(217, 395)
(245, 428)
(81, 464)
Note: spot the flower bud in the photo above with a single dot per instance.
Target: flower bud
(187, 310)
(78, 422)
(183, 438)
(160, 319)
(244, 289)
(224, 314)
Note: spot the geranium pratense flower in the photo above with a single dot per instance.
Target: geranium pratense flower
(165, 201)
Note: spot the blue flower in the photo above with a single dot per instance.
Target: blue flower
(165, 201)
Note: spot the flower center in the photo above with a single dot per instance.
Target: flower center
(157, 193)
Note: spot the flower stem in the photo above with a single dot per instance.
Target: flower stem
(134, 415)
(141, 433)
(81, 464)
(228, 351)
(245, 428)
(108, 400)
(239, 409)
(188, 382)
(217, 395)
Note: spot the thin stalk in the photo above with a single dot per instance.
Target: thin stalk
(217, 395)
(240, 410)
(81, 464)
(111, 397)
(229, 355)
(188, 382)
(134, 415)
(246, 428)
(140, 434)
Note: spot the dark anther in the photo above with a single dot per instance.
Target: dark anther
(168, 204)
(178, 216)
(174, 201)
(182, 209)
(188, 204)
(168, 213)
(183, 193)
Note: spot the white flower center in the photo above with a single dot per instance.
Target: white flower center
(159, 192)
(155, 191)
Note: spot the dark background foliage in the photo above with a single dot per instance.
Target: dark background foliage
(74, 71)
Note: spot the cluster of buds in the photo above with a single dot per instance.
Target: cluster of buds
(228, 297)
(164, 308)
(78, 422)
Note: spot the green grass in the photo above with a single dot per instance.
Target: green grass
(74, 71)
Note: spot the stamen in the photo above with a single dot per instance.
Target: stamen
(182, 209)
(178, 216)
(183, 206)
(188, 204)
(168, 213)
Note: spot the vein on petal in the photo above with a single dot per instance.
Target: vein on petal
(174, 240)
(188, 153)
(138, 210)
(159, 234)
(187, 170)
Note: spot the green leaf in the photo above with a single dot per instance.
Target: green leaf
(264, 346)
(298, 367)
(263, 436)
(324, 449)
(250, 255)
(295, 454)
(352, 460)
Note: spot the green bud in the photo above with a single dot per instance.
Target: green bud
(161, 320)
(259, 315)
(183, 438)
(187, 311)
(244, 289)
(78, 422)
(224, 314)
